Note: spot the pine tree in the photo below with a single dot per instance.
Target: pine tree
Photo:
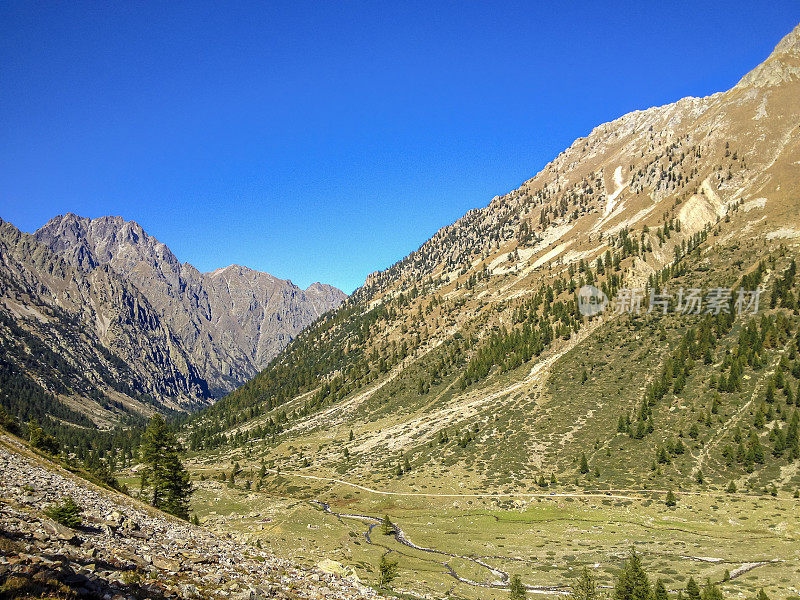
(516, 589)
(388, 571)
(584, 467)
(632, 583)
(671, 500)
(164, 476)
(387, 527)
(67, 513)
(711, 591)
(660, 592)
(586, 588)
(692, 589)
(41, 440)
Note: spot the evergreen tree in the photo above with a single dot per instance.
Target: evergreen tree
(164, 478)
(671, 500)
(41, 440)
(711, 591)
(660, 592)
(67, 513)
(586, 588)
(584, 467)
(387, 527)
(516, 589)
(388, 571)
(632, 583)
(8, 422)
(692, 589)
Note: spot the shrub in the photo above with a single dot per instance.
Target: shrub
(67, 513)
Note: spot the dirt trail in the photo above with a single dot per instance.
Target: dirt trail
(370, 490)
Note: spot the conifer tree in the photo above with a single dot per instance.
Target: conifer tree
(692, 589)
(41, 440)
(164, 478)
(516, 589)
(711, 592)
(632, 583)
(584, 467)
(660, 592)
(586, 588)
(387, 527)
(388, 571)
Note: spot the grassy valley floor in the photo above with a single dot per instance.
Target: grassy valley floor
(467, 546)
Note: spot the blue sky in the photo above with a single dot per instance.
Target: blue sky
(322, 141)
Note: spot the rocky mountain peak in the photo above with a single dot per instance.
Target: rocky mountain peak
(789, 45)
(782, 65)
(231, 321)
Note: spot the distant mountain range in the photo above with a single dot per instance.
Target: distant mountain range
(105, 319)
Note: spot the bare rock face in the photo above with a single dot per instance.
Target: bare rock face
(87, 334)
(231, 322)
(781, 66)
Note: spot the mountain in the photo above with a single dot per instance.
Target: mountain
(231, 321)
(99, 319)
(463, 411)
(470, 356)
(78, 344)
(463, 398)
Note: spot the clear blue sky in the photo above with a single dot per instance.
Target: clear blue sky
(325, 140)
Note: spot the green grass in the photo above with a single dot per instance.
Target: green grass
(545, 540)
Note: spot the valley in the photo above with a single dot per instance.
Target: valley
(461, 413)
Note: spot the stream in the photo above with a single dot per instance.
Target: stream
(501, 577)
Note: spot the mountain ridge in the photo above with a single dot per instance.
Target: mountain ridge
(101, 321)
(228, 304)
(631, 204)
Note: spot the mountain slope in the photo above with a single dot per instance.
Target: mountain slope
(99, 321)
(89, 341)
(125, 549)
(470, 357)
(231, 321)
